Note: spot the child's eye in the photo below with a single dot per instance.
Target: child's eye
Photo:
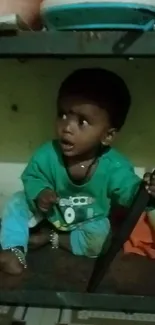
(64, 117)
(61, 115)
(83, 123)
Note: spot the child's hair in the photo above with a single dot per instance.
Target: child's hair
(102, 87)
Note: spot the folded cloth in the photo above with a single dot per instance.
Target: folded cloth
(142, 239)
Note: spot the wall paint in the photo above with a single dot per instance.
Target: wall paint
(32, 88)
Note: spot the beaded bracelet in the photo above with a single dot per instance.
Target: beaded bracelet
(54, 239)
(20, 255)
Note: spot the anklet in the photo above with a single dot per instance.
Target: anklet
(20, 255)
(54, 239)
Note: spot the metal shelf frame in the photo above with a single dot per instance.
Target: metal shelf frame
(77, 44)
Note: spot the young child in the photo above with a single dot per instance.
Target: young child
(74, 180)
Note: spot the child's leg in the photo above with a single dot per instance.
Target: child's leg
(14, 233)
(91, 237)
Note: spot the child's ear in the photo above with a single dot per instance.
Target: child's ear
(109, 137)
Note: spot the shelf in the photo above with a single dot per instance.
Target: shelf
(72, 44)
(58, 279)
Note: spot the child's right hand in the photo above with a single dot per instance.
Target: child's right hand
(45, 199)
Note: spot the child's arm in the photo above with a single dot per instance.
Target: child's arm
(124, 184)
(37, 176)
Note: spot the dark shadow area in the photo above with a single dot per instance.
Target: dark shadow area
(51, 273)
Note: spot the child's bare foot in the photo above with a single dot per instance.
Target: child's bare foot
(39, 239)
(9, 263)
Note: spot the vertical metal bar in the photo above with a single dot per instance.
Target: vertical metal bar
(103, 262)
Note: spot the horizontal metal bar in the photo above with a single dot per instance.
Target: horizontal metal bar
(107, 302)
(7, 318)
(107, 43)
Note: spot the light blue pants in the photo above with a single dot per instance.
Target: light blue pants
(87, 239)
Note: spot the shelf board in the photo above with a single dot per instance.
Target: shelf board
(57, 279)
(77, 44)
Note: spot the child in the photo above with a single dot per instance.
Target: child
(72, 181)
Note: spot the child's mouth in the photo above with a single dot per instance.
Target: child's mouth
(66, 145)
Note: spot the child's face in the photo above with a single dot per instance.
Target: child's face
(82, 126)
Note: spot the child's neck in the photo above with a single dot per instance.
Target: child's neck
(86, 157)
(80, 169)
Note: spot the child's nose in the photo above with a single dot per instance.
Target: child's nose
(70, 126)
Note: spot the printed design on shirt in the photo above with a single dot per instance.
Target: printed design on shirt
(76, 209)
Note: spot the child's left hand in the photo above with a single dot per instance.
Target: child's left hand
(149, 178)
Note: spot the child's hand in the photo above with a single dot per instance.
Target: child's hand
(45, 199)
(149, 178)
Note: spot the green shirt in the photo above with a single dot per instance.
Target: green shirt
(113, 181)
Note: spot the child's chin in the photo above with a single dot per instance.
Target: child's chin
(69, 153)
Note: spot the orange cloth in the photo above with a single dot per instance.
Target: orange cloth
(142, 239)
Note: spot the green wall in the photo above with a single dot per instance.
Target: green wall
(32, 86)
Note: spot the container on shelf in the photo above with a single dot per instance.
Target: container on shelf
(100, 14)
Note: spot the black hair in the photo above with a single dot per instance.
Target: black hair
(105, 88)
